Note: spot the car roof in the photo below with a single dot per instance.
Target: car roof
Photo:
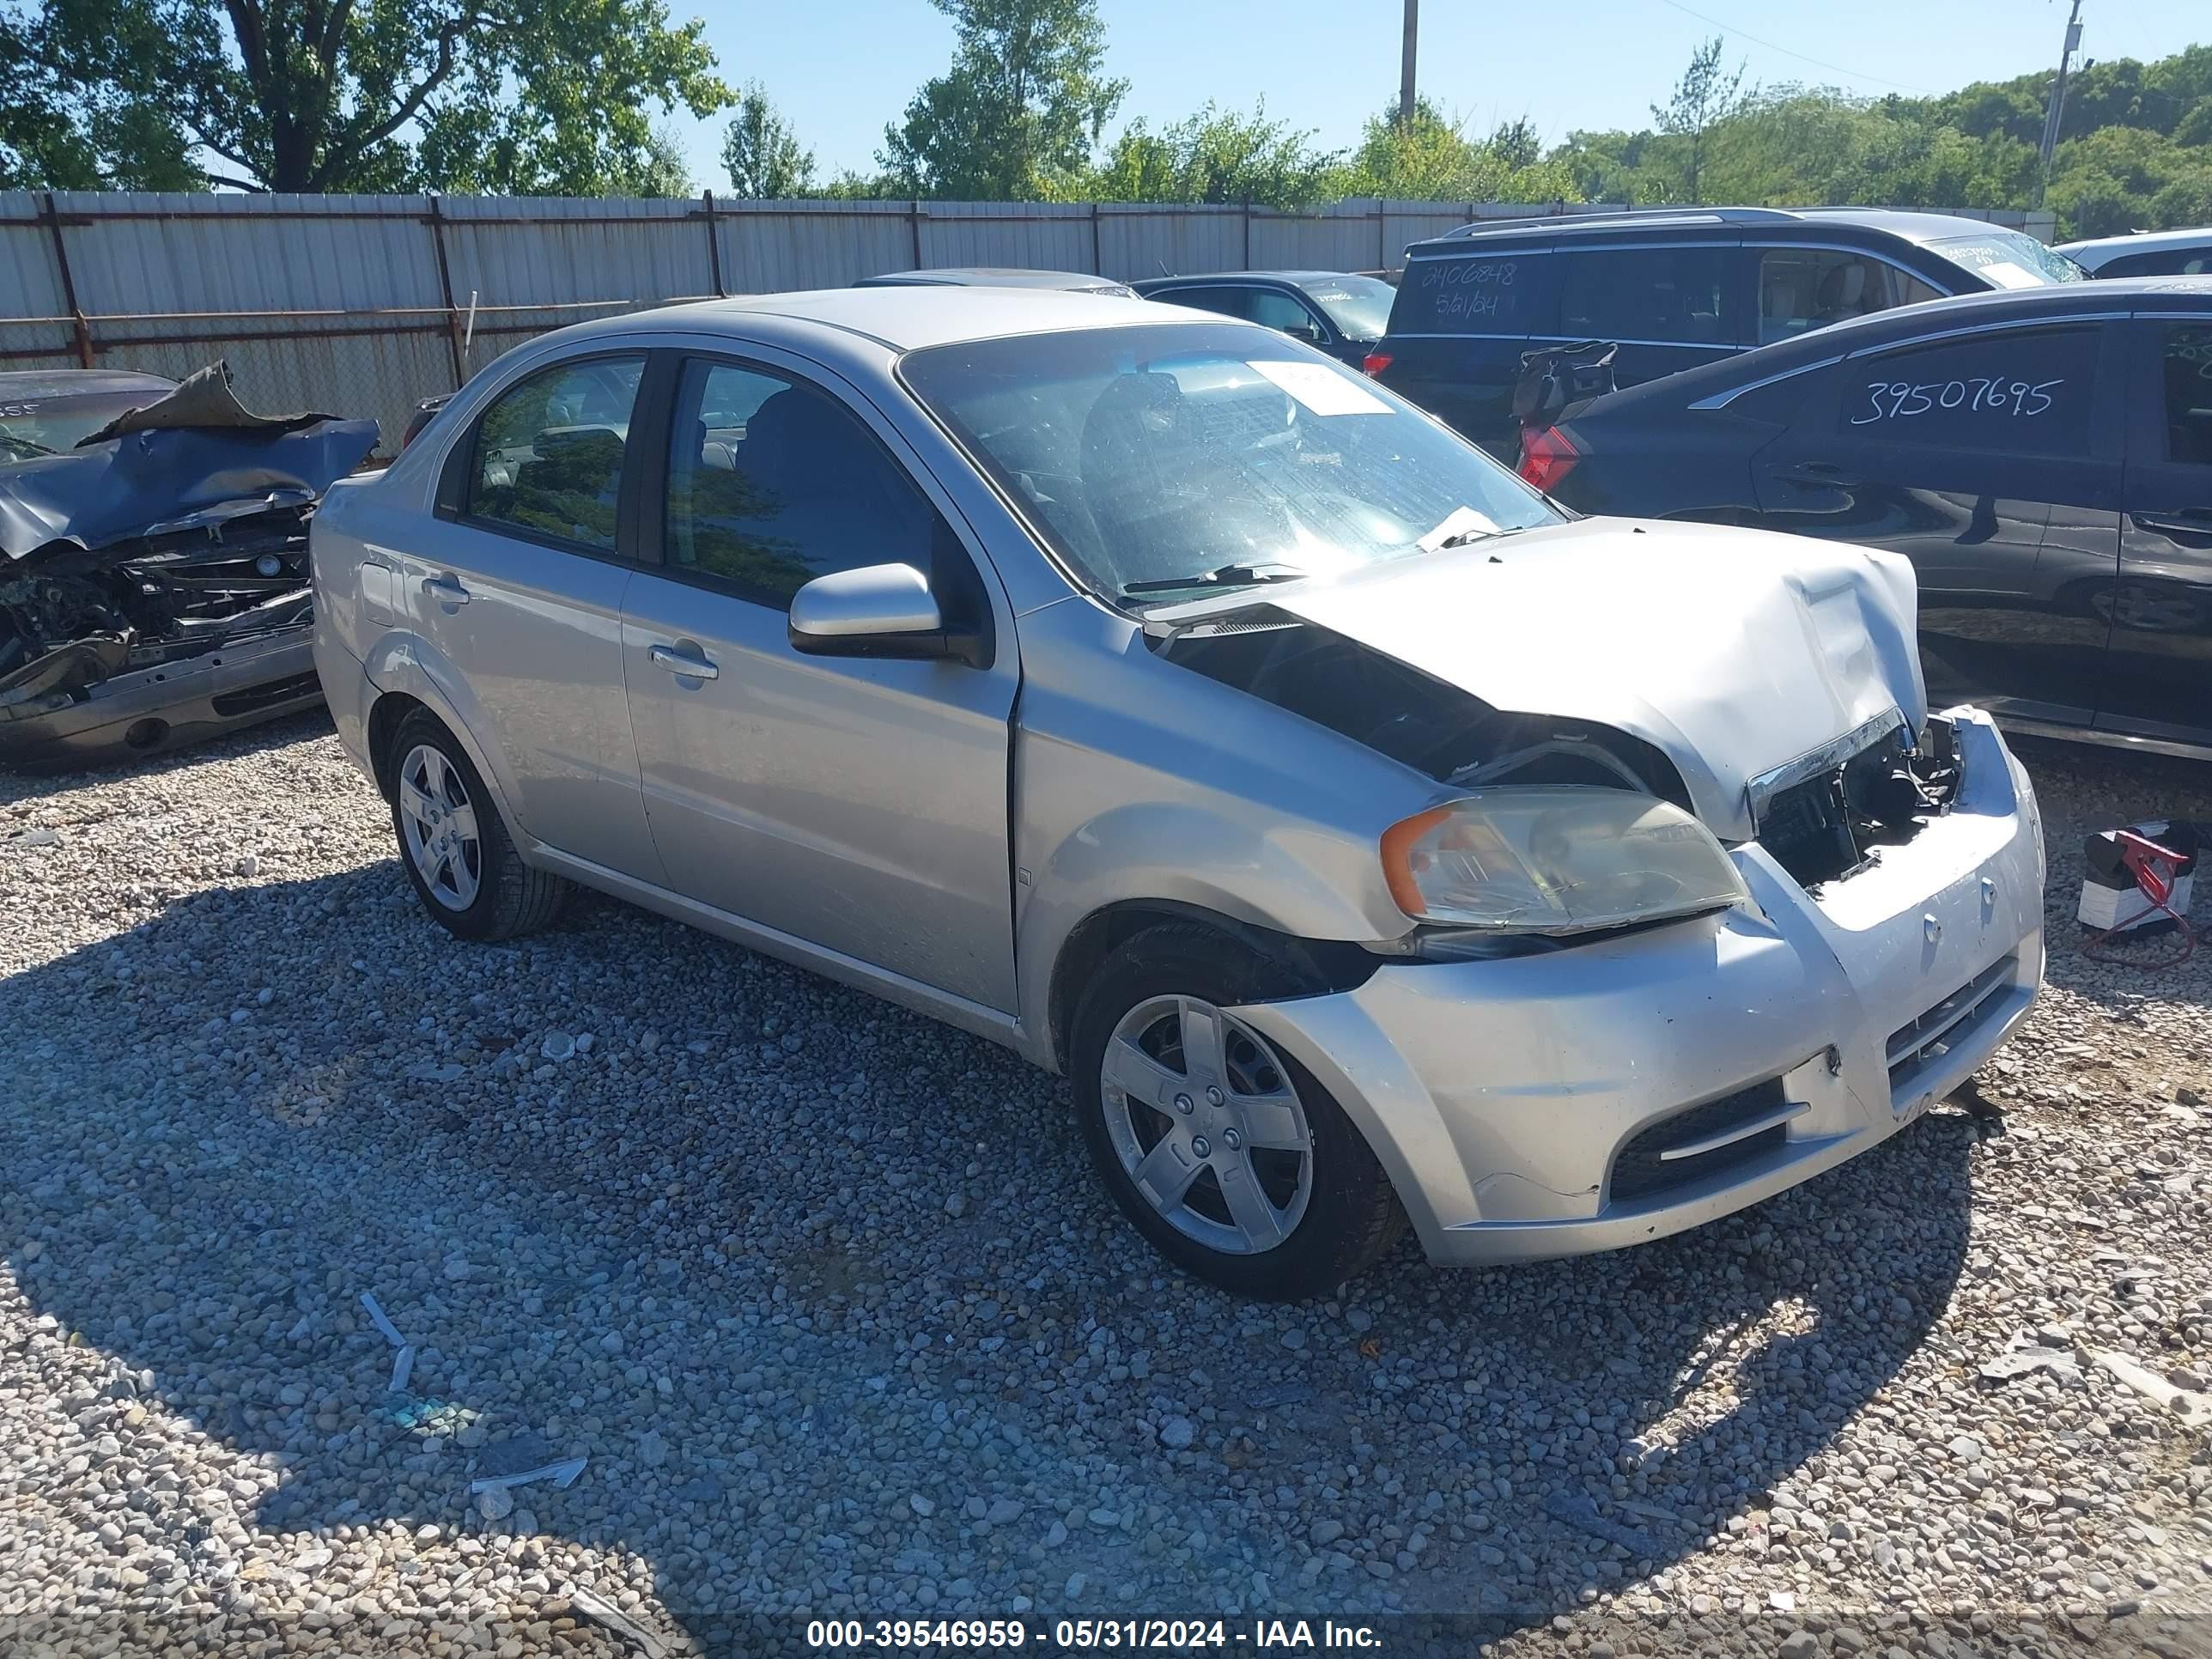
(908, 317)
(988, 276)
(1295, 278)
(2096, 250)
(2118, 297)
(1907, 225)
(19, 384)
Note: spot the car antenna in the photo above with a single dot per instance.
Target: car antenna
(1162, 265)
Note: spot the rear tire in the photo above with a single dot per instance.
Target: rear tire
(453, 844)
(1223, 1151)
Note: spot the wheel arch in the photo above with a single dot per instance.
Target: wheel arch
(1308, 966)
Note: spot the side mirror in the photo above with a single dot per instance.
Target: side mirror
(876, 610)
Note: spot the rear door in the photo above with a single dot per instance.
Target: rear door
(1668, 307)
(857, 803)
(2161, 680)
(519, 586)
(1991, 458)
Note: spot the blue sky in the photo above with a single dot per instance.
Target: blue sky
(841, 69)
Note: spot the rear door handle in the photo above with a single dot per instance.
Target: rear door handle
(684, 665)
(445, 590)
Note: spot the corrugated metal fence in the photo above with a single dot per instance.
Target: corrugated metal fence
(363, 304)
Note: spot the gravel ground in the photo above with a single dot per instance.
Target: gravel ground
(826, 1295)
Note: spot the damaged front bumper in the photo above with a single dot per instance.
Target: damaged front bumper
(1632, 1087)
(164, 706)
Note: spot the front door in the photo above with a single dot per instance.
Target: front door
(1991, 460)
(2161, 681)
(520, 582)
(858, 805)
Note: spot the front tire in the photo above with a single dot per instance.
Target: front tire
(1223, 1151)
(453, 844)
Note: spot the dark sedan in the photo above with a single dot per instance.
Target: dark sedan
(1343, 314)
(2042, 457)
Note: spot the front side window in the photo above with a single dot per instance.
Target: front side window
(2024, 392)
(1805, 288)
(2186, 362)
(2167, 262)
(1664, 295)
(1160, 463)
(548, 453)
(772, 482)
(1224, 301)
(1271, 308)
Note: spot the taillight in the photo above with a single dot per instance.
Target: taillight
(1547, 457)
(1375, 363)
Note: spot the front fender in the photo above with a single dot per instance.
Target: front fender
(406, 663)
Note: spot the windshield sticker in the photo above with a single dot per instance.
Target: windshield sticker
(2006, 274)
(1897, 400)
(1321, 389)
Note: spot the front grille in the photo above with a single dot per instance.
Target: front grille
(1920, 1041)
(1640, 1169)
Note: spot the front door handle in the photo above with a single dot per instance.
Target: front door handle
(683, 664)
(445, 590)
(2193, 525)
(1818, 474)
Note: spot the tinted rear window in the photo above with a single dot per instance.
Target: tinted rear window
(1501, 293)
(1678, 295)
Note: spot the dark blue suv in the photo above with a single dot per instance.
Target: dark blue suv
(1673, 287)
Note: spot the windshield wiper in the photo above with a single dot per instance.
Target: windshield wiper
(1227, 575)
(29, 450)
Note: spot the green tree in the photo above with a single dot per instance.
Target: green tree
(1432, 159)
(496, 95)
(1216, 155)
(1018, 113)
(1706, 96)
(763, 154)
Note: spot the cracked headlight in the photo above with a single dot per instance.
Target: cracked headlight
(1564, 860)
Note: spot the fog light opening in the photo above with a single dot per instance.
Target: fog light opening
(145, 734)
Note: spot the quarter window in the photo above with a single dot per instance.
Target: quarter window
(772, 482)
(2187, 362)
(548, 453)
(2022, 391)
(1671, 295)
(1803, 288)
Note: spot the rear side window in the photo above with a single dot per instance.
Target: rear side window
(548, 453)
(2186, 362)
(1510, 294)
(2170, 262)
(1227, 301)
(2023, 391)
(1672, 295)
(1805, 288)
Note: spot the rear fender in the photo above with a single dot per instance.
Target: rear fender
(404, 663)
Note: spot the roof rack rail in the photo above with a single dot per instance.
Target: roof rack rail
(1679, 215)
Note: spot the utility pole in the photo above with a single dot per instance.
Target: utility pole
(1405, 63)
(2056, 112)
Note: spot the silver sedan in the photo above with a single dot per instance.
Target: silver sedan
(1367, 841)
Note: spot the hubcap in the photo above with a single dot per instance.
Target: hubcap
(438, 825)
(1207, 1123)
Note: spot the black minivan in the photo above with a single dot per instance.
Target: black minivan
(1672, 287)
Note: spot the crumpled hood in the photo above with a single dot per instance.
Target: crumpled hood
(1732, 651)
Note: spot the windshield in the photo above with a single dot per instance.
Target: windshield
(47, 426)
(2007, 258)
(1153, 458)
(1359, 307)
